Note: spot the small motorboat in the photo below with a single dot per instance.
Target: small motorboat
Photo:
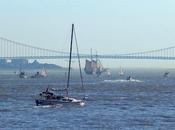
(23, 75)
(129, 78)
(166, 74)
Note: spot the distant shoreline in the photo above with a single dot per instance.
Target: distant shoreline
(22, 64)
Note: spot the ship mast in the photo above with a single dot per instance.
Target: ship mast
(70, 58)
(91, 54)
(96, 56)
(78, 55)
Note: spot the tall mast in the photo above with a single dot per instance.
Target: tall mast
(20, 70)
(70, 57)
(78, 55)
(91, 54)
(96, 56)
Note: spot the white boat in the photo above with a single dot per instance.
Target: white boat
(44, 72)
(121, 73)
(49, 98)
(109, 73)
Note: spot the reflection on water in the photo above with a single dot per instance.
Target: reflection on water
(147, 102)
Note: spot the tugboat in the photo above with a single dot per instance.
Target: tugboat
(49, 98)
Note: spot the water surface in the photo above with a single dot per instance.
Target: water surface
(145, 103)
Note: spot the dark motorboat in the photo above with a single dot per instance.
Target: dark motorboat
(166, 74)
(49, 98)
(22, 75)
(129, 78)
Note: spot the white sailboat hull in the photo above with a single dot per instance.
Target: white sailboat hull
(62, 101)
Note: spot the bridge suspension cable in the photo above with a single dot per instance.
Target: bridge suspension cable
(10, 49)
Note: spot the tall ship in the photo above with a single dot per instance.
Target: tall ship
(93, 66)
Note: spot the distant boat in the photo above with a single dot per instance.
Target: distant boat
(16, 72)
(93, 66)
(41, 74)
(37, 75)
(121, 73)
(108, 73)
(90, 67)
(49, 98)
(21, 74)
(129, 78)
(166, 74)
(44, 72)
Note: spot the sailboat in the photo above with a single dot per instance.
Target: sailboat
(121, 73)
(48, 97)
(90, 65)
(44, 72)
(108, 73)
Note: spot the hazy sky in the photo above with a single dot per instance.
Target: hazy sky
(108, 26)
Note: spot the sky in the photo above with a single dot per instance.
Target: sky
(106, 26)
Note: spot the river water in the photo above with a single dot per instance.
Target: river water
(147, 102)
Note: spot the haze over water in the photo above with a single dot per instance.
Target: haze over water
(145, 103)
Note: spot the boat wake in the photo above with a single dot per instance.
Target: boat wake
(50, 106)
(122, 81)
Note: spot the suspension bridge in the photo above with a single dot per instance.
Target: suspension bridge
(10, 49)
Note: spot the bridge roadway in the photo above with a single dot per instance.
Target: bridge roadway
(94, 56)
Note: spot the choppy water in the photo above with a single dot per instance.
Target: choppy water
(146, 103)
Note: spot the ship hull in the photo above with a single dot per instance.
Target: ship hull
(42, 102)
